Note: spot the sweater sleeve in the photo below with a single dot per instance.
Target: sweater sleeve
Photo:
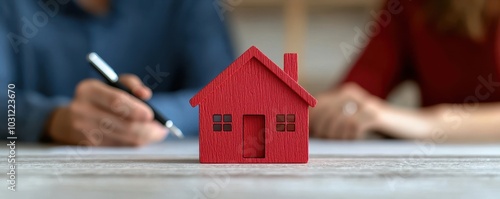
(28, 111)
(384, 61)
(205, 51)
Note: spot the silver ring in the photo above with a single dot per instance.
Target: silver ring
(350, 108)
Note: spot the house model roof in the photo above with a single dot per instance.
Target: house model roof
(252, 52)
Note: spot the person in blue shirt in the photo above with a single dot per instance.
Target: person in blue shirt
(171, 48)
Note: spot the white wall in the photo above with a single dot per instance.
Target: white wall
(322, 62)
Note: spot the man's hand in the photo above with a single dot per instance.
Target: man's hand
(101, 115)
(347, 113)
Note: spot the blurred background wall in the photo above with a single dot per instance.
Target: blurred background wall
(314, 29)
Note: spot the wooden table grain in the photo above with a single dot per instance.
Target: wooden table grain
(364, 169)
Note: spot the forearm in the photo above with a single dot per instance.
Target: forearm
(470, 123)
(32, 111)
(447, 122)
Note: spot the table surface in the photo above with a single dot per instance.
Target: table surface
(373, 169)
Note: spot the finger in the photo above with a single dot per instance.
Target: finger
(321, 105)
(325, 101)
(110, 142)
(347, 131)
(120, 132)
(328, 116)
(353, 90)
(136, 86)
(335, 128)
(361, 129)
(359, 121)
(102, 127)
(313, 121)
(159, 134)
(324, 119)
(96, 136)
(358, 133)
(114, 101)
(142, 133)
(93, 126)
(132, 133)
(328, 123)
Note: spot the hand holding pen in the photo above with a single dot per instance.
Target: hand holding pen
(112, 78)
(102, 115)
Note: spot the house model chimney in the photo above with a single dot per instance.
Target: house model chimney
(291, 65)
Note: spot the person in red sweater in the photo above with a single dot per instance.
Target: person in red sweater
(450, 48)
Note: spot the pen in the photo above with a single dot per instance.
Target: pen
(110, 75)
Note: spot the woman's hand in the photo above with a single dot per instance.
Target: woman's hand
(351, 112)
(347, 113)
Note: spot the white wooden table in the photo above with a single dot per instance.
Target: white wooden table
(368, 169)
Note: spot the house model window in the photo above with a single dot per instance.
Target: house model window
(285, 122)
(222, 122)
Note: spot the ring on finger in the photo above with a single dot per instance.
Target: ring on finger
(350, 108)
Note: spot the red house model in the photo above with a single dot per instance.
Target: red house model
(254, 112)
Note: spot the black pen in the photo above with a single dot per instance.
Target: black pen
(110, 75)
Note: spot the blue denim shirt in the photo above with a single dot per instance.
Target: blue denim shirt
(176, 47)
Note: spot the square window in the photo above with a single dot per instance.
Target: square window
(217, 118)
(217, 127)
(280, 118)
(290, 127)
(228, 127)
(280, 127)
(228, 118)
(290, 118)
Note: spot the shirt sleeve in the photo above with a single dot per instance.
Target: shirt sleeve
(205, 50)
(384, 62)
(31, 108)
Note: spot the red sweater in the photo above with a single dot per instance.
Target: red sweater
(448, 68)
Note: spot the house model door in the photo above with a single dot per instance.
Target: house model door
(254, 136)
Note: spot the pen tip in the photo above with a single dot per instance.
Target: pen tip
(176, 131)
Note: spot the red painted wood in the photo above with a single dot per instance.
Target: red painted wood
(291, 66)
(254, 140)
(250, 54)
(254, 85)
